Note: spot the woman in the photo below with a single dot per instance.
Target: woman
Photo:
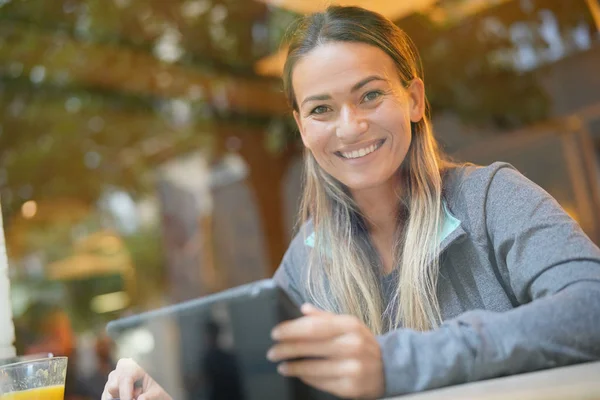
(421, 273)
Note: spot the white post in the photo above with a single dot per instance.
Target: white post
(7, 329)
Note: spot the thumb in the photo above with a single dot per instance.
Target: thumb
(309, 309)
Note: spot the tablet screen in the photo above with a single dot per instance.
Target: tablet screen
(214, 350)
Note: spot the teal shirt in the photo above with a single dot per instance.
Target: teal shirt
(518, 287)
(449, 225)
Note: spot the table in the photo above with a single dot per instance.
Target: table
(581, 382)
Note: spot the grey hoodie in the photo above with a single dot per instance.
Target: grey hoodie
(519, 286)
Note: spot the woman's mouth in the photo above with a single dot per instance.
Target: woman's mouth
(351, 155)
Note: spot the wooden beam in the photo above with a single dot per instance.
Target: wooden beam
(25, 49)
(594, 7)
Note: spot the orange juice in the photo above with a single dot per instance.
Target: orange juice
(45, 393)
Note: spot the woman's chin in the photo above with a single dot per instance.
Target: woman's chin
(358, 185)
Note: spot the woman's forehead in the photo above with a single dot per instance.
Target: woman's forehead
(338, 66)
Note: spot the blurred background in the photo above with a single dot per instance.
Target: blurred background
(147, 154)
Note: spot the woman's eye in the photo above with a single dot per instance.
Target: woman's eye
(319, 110)
(372, 95)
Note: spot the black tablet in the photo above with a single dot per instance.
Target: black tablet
(214, 347)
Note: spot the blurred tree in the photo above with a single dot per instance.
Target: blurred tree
(93, 90)
(474, 66)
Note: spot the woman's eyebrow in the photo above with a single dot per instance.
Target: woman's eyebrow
(367, 80)
(316, 97)
(357, 86)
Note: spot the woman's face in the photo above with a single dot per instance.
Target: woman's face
(355, 113)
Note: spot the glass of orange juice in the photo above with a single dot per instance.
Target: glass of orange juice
(41, 379)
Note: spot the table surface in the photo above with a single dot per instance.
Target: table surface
(580, 381)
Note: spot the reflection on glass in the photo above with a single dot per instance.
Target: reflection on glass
(219, 367)
(105, 102)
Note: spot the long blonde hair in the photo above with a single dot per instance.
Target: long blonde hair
(343, 269)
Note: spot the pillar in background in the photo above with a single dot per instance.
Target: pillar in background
(594, 7)
(7, 329)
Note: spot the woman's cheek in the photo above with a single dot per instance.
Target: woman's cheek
(317, 135)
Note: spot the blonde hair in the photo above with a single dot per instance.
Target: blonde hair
(343, 271)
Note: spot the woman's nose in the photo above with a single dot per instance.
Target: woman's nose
(351, 124)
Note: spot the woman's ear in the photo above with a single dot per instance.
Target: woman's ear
(416, 93)
(299, 125)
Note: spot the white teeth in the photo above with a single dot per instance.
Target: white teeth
(361, 152)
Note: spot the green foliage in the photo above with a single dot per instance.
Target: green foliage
(82, 113)
(147, 257)
(471, 65)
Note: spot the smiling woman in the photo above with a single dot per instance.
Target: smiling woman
(356, 88)
(361, 111)
(414, 272)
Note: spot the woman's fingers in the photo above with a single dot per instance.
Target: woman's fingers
(343, 346)
(122, 381)
(126, 388)
(318, 326)
(287, 351)
(344, 378)
(326, 368)
(111, 389)
(309, 309)
(335, 353)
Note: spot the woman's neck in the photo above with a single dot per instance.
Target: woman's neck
(380, 209)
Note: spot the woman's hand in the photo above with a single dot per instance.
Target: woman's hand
(129, 381)
(348, 358)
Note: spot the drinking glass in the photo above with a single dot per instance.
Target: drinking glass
(41, 379)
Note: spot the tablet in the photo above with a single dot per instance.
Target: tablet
(214, 347)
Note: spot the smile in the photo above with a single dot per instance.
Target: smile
(361, 152)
